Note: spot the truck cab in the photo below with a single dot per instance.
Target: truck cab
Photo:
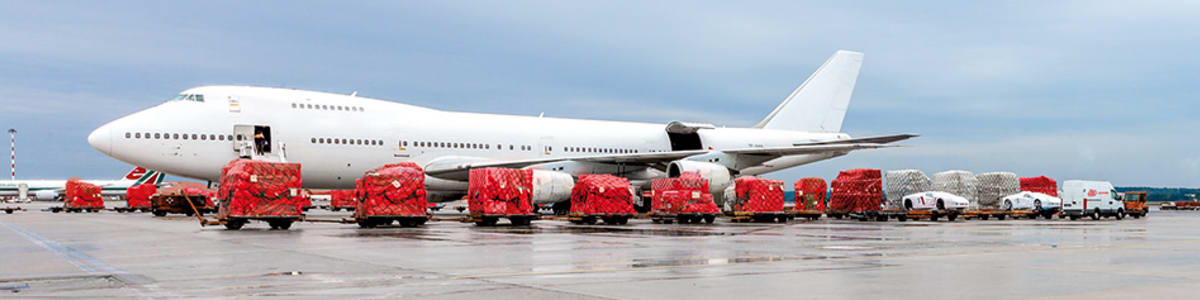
(1135, 204)
(1091, 198)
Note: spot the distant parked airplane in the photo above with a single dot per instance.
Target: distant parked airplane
(50, 189)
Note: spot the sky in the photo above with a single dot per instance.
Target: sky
(1101, 90)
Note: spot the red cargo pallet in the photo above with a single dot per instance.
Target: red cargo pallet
(343, 199)
(856, 191)
(495, 193)
(1040, 184)
(758, 199)
(684, 198)
(138, 197)
(601, 196)
(80, 197)
(259, 190)
(393, 193)
(810, 194)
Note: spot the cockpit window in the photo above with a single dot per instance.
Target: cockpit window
(189, 97)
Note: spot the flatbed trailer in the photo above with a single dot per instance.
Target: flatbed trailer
(172, 203)
(905, 215)
(683, 218)
(609, 219)
(490, 220)
(763, 217)
(810, 214)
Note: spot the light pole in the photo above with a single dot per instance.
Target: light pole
(12, 140)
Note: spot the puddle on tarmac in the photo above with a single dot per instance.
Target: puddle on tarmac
(683, 232)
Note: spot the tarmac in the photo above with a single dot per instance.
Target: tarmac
(136, 255)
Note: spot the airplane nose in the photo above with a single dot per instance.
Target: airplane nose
(101, 139)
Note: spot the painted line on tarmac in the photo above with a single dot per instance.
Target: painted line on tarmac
(84, 262)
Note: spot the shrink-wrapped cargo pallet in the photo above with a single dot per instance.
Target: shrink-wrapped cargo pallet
(601, 196)
(253, 189)
(138, 196)
(810, 193)
(500, 192)
(393, 192)
(856, 190)
(902, 183)
(82, 196)
(689, 200)
(343, 199)
(1040, 184)
(994, 186)
(960, 183)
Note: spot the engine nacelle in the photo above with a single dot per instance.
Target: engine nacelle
(551, 186)
(45, 195)
(718, 176)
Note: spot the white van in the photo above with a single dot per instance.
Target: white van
(1091, 198)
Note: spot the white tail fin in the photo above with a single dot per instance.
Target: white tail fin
(819, 104)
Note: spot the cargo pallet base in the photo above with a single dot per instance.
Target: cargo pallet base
(761, 217)
(131, 209)
(405, 221)
(693, 218)
(902, 216)
(11, 209)
(58, 209)
(491, 220)
(609, 219)
(806, 214)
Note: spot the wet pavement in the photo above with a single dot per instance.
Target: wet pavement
(113, 254)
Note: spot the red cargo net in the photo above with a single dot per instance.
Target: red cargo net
(343, 199)
(81, 194)
(752, 194)
(393, 190)
(500, 191)
(601, 194)
(1040, 184)
(857, 190)
(251, 188)
(689, 195)
(810, 193)
(138, 196)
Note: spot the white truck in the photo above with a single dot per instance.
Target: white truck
(1091, 198)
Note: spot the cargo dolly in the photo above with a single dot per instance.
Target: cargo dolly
(608, 218)
(903, 215)
(761, 217)
(683, 218)
(810, 214)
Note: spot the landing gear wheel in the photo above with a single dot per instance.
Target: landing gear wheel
(709, 219)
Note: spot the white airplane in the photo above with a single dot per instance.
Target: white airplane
(51, 189)
(338, 137)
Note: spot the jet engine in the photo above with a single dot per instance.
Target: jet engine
(551, 186)
(45, 195)
(718, 176)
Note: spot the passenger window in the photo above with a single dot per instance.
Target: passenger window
(127, 135)
(176, 136)
(293, 105)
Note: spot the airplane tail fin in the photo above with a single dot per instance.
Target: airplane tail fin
(819, 104)
(140, 175)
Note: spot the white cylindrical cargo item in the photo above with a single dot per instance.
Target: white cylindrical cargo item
(958, 182)
(902, 183)
(551, 186)
(994, 186)
(730, 197)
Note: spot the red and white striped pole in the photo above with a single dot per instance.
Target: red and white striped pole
(12, 139)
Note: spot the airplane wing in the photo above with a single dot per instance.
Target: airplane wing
(647, 159)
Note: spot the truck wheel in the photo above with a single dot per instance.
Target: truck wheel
(1120, 214)
(234, 224)
(1136, 216)
(1096, 215)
